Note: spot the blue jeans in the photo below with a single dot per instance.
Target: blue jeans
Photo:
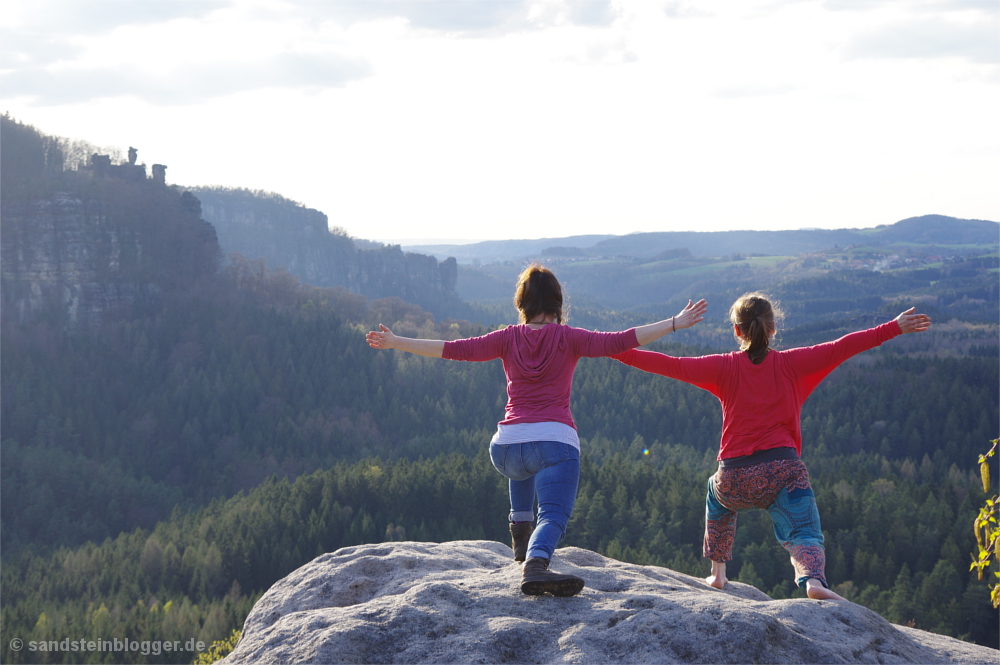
(548, 471)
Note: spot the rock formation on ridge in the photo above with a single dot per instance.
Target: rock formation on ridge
(459, 602)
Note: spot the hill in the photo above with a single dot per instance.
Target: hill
(287, 235)
(937, 232)
(855, 281)
(83, 246)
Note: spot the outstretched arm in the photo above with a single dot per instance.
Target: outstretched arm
(690, 315)
(909, 322)
(385, 339)
(814, 363)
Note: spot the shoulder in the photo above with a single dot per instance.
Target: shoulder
(731, 358)
(493, 336)
(779, 356)
(561, 331)
(570, 331)
(736, 360)
(508, 331)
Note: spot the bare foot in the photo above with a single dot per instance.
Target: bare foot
(816, 591)
(718, 577)
(717, 581)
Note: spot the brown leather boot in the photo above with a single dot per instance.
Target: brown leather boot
(520, 534)
(536, 580)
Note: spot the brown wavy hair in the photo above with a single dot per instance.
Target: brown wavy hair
(755, 316)
(538, 293)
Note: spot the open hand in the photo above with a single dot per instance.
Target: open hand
(691, 314)
(909, 322)
(381, 338)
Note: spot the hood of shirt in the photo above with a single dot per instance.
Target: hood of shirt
(536, 350)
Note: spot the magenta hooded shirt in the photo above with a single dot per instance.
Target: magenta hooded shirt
(539, 365)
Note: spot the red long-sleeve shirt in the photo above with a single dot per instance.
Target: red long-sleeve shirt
(539, 365)
(761, 404)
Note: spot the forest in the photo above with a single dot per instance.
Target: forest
(161, 471)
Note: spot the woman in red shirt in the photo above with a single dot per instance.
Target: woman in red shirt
(536, 445)
(762, 392)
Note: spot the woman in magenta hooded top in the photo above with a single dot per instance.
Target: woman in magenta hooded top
(536, 445)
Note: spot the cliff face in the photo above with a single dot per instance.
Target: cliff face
(73, 260)
(298, 239)
(417, 278)
(77, 245)
(62, 261)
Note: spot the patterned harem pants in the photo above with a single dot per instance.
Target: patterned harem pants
(782, 488)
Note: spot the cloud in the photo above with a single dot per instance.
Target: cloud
(965, 29)
(20, 49)
(603, 52)
(183, 51)
(94, 17)
(591, 13)
(927, 38)
(986, 6)
(69, 86)
(755, 90)
(469, 16)
(54, 19)
(447, 15)
(49, 30)
(676, 9)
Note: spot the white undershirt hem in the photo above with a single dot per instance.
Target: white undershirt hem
(525, 432)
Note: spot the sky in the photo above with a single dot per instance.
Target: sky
(460, 120)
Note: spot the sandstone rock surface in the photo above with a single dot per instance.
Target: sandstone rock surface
(459, 602)
(62, 255)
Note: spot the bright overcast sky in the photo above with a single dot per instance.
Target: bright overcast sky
(479, 119)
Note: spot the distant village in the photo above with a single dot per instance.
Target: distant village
(879, 262)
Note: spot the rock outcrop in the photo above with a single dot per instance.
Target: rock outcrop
(88, 254)
(459, 602)
(61, 261)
